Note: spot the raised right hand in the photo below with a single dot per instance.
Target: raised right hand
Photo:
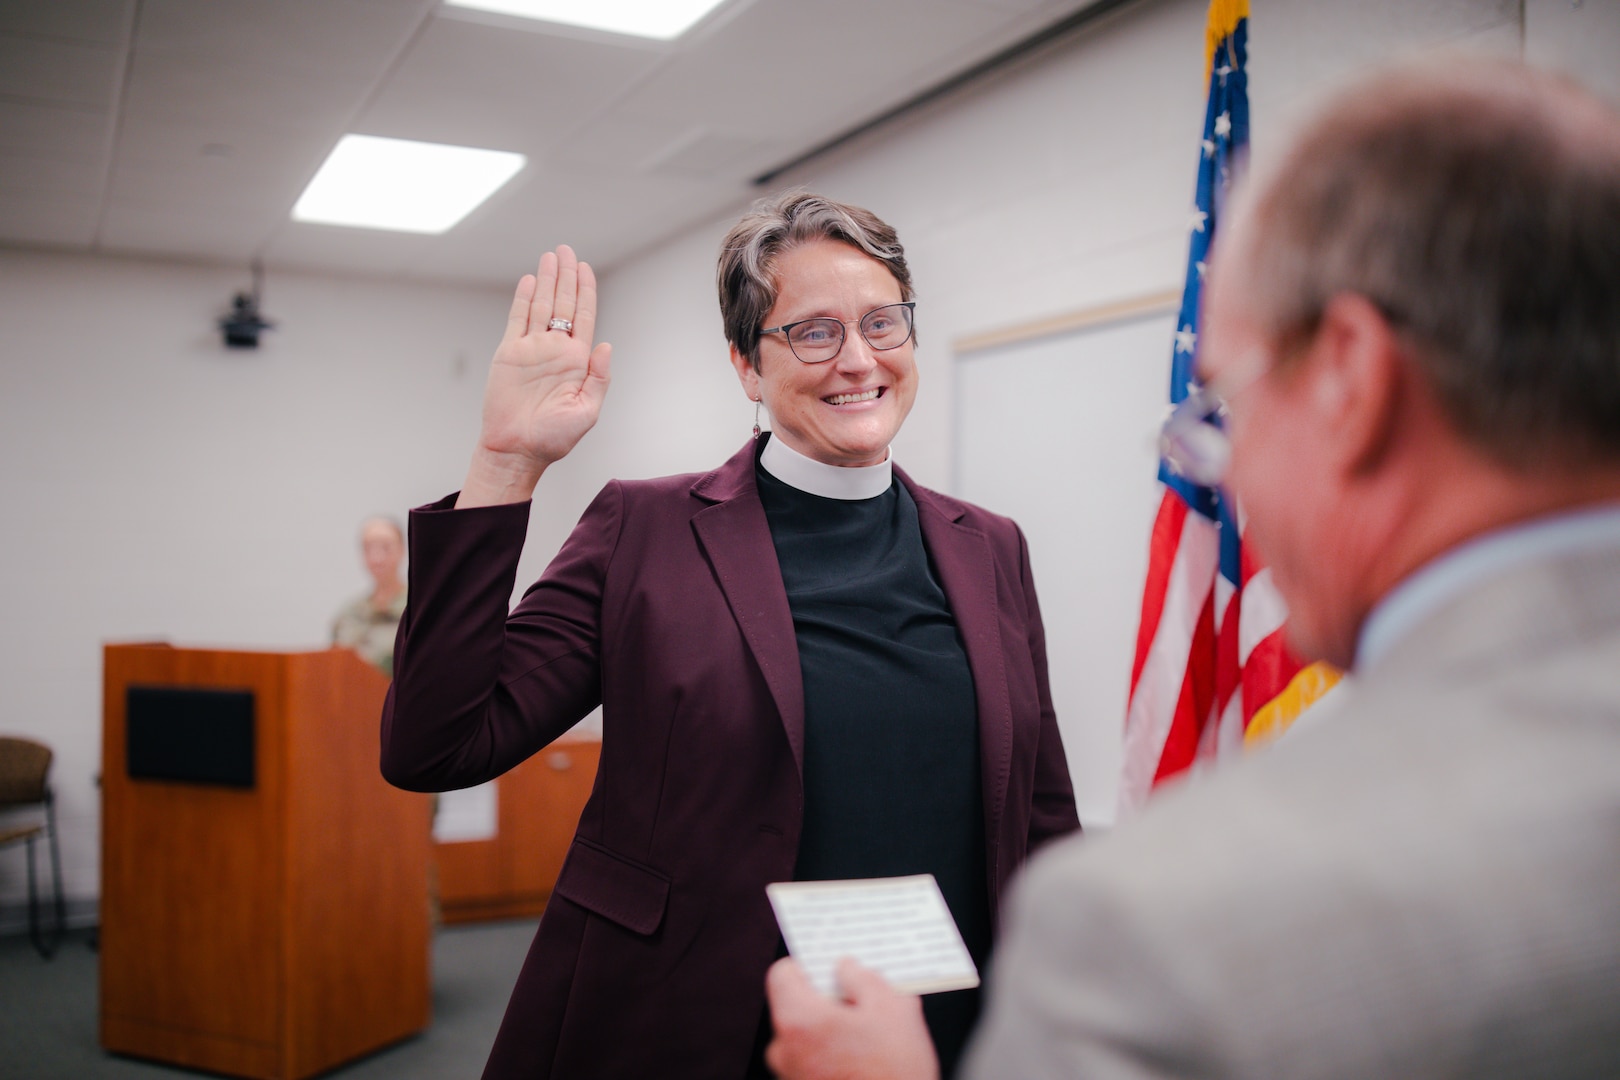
(545, 386)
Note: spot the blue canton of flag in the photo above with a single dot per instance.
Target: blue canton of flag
(1213, 672)
(1224, 143)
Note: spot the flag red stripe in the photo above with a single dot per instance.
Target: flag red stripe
(1272, 665)
(1193, 706)
(1167, 527)
(1249, 564)
(1228, 672)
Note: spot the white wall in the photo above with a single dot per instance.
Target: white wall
(158, 486)
(1090, 400)
(1060, 185)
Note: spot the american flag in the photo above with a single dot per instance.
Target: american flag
(1211, 672)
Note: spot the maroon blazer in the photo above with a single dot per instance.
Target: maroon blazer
(666, 605)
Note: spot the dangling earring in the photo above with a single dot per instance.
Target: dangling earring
(756, 418)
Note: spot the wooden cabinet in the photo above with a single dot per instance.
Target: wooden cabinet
(271, 919)
(537, 809)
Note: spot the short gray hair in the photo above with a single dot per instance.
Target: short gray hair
(746, 275)
(1477, 204)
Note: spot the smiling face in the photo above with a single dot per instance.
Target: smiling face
(847, 410)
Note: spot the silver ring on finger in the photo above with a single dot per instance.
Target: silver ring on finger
(565, 325)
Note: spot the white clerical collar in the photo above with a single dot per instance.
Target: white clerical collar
(1463, 567)
(829, 481)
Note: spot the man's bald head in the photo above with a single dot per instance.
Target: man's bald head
(1477, 205)
(1413, 319)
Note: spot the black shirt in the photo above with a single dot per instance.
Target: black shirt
(891, 733)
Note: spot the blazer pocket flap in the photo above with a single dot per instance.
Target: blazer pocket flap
(629, 893)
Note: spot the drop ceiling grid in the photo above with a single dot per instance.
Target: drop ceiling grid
(229, 106)
(59, 69)
(230, 109)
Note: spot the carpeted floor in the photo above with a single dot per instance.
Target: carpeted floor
(48, 1012)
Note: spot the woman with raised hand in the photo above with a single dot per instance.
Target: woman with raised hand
(809, 666)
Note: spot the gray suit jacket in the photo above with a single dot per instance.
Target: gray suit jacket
(1425, 885)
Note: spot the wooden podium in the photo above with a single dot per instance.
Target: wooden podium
(264, 893)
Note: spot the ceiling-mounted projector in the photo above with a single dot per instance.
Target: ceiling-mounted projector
(242, 326)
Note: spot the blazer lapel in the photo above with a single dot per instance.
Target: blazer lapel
(967, 572)
(737, 539)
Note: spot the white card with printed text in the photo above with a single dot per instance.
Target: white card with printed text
(899, 927)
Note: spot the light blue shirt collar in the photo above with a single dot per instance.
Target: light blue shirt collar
(1461, 568)
(828, 481)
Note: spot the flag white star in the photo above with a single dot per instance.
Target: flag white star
(1209, 148)
(1185, 340)
(1223, 125)
(1202, 268)
(1198, 219)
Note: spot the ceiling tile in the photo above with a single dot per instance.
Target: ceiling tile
(292, 33)
(615, 142)
(194, 230)
(211, 88)
(58, 72)
(23, 173)
(703, 151)
(57, 218)
(90, 21)
(813, 69)
(483, 85)
(229, 106)
(246, 192)
(67, 134)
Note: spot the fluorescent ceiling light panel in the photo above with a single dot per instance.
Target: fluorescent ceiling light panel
(376, 183)
(661, 19)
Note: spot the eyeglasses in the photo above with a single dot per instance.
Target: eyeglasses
(815, 341)
(1192, 441)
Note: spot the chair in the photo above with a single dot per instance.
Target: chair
(24, 765)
